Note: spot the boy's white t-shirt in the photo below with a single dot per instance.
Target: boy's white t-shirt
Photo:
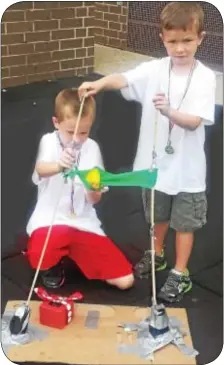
(49, 189)
(185, 170)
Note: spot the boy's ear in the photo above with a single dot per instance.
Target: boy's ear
(55, 122)
(161, 36)
(201, 37)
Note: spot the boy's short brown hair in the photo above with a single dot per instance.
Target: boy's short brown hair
(182, 15)
(69, 98)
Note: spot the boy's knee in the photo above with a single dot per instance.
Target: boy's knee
(49, 260)
(123, 283)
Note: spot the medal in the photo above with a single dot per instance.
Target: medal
(169, 148)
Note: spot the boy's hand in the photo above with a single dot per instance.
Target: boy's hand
(89, 88)
(162, 104)
(94, 197)
(67, 159)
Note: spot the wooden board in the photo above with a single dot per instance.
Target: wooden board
(77, 344)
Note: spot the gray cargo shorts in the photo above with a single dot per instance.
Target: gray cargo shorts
(186, 212)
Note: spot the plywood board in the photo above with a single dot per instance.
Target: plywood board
(77, 344)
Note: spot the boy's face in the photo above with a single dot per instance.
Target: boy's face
(66, 127)
(181, 45)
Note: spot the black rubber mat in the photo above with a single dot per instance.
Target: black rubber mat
(204, 308)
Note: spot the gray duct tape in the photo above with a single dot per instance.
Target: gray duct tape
(147, 344)
(92, 319)
(8, 340)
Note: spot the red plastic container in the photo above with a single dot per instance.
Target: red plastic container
(56, 314)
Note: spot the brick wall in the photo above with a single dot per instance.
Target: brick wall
(111, 19)
(44, 40)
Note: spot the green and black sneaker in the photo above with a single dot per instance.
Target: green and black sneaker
(143, 267)
(176, 285)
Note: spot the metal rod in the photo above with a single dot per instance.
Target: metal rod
(153, 247)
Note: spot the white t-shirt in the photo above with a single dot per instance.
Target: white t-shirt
(51, 187)
(185, 170)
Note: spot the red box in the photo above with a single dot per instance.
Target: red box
(56, 314)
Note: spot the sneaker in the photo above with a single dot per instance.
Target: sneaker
(143, 267)
(175, 287)
(53, 278)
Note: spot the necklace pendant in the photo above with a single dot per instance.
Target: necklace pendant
(169, 148)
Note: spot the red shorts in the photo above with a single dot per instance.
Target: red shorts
(97, 256)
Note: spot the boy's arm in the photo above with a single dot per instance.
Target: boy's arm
(110, 82)
(201, 106)
(184, 120)
(47, 169)
(46, 166)
(93, 197)
(132, 83)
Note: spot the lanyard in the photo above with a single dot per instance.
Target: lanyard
(169, 148)
(76, 165)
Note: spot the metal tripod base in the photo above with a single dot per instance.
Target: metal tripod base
(154, 333)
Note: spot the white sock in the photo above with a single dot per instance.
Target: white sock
(177, 272)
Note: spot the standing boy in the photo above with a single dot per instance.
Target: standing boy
(182, 89)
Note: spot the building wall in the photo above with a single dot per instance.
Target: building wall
(111, 19)
(44, 40)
